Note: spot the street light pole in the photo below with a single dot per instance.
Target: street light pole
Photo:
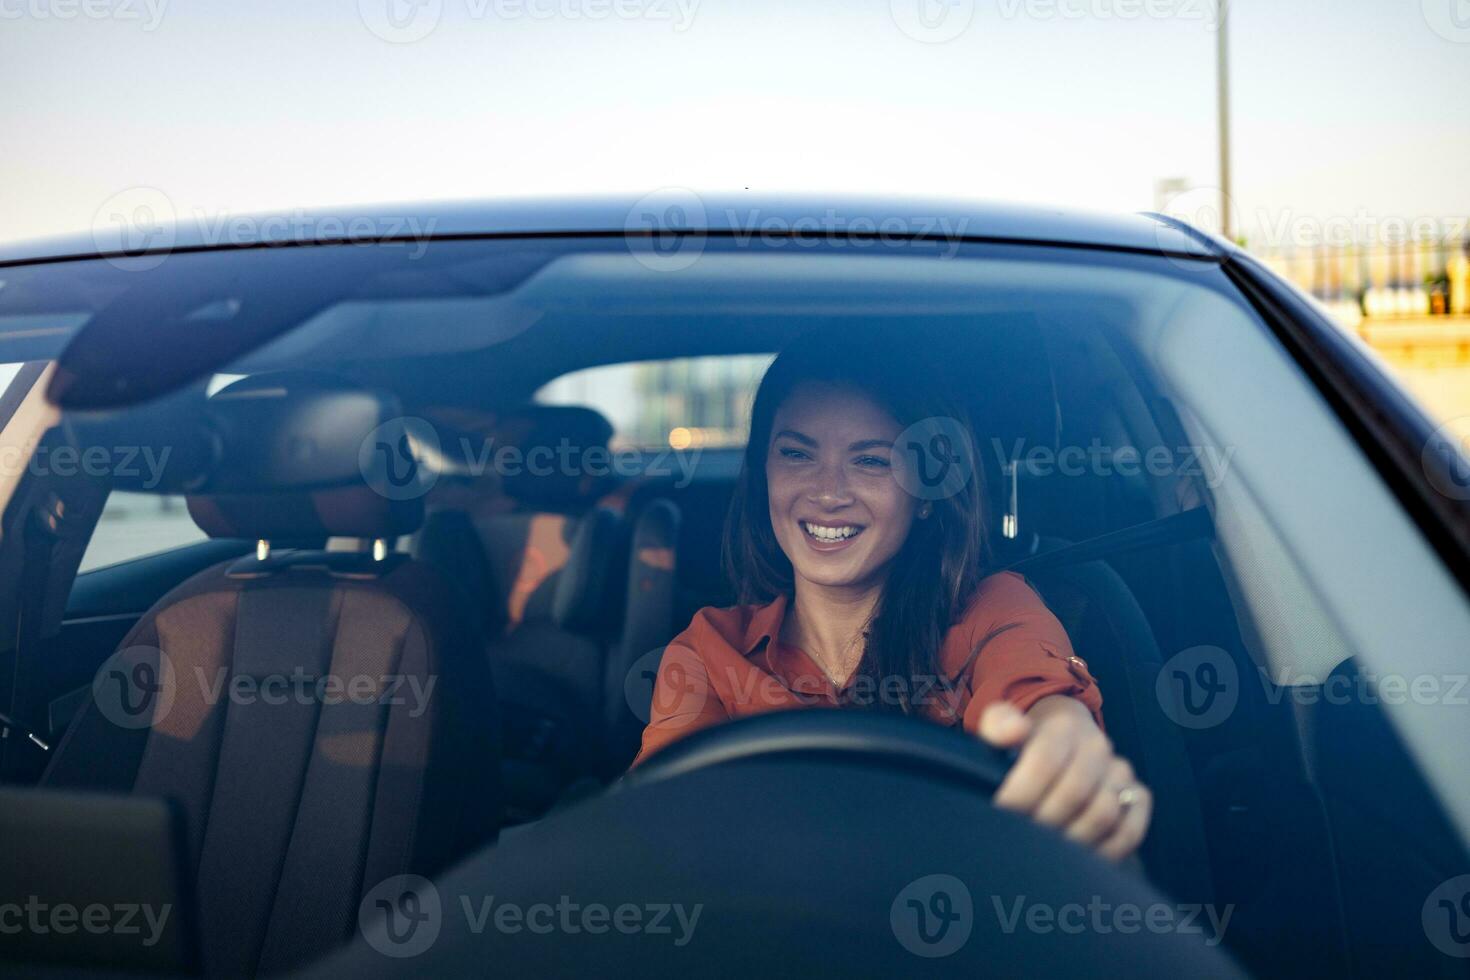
(1222, 73)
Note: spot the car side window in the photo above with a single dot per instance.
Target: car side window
(683, 403)
(134, 525)
(8, 373)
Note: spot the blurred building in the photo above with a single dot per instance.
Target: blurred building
(1424, 278)
(695, 402)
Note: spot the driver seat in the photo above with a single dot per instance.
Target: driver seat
(297, 801)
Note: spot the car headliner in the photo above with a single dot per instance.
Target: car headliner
(568, 216)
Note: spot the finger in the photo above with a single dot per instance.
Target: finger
(1078, 783)
(1043, 758)
(1124, 840)
(1003, 725)
(1103, 812)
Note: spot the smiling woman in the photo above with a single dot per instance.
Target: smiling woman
(862, 583)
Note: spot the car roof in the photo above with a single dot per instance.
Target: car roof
(728, 213)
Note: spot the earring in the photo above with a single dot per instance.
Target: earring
(925, 511)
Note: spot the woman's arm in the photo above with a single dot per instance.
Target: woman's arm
(684, 700)
(1067, 775)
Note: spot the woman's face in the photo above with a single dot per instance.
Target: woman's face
(838, 513)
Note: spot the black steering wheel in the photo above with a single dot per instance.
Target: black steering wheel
(763, 830)
(890, 741)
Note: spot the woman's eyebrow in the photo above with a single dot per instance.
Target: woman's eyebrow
(870, 444)
(799, 437)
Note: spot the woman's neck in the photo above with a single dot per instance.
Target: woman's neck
(827, 624)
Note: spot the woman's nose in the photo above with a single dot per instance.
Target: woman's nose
(829, 490)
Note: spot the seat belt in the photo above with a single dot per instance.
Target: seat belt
(1189, 525)
(1163, 753)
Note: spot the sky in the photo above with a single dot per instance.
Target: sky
(1342, 108)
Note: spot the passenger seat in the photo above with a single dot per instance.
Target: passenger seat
(296, 807)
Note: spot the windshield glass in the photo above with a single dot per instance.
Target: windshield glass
(1208, 534)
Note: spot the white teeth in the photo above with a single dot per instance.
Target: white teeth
(830, 533)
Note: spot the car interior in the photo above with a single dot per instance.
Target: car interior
(536, 604)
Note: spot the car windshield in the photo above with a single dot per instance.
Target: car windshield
(1158, 463)
(1110, 388)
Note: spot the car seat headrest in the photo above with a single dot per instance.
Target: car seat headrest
(302, 455)
(561, 458)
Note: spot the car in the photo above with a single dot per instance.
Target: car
(340, 551)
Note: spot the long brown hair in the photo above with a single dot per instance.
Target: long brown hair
(935, 572)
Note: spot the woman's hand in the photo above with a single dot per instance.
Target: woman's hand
(1067, 775)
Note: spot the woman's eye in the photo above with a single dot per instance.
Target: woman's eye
(790, 453)
(873, 461)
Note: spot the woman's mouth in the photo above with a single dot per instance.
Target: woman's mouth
(830, 537)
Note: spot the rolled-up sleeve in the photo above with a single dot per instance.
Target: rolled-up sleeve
(1019, 652)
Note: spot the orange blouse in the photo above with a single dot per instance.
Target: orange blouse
(730, 663)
